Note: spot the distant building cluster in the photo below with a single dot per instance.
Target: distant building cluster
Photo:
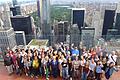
(16, 26)
(28, 8)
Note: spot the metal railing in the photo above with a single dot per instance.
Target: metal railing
(111, 42)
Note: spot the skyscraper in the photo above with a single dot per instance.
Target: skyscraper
(108, 21)
(44, 14)
(61, 31)
(5, 15)
(78, 17)
(15, 9)
(7, 38)
(87, 36)
(75, 36)
(14, 2)
(117, 21)
(24, 23)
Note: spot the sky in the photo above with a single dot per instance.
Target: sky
(60, 0)
(11, 0)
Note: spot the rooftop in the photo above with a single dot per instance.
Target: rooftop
(5, 29)
(19, 16)
(78, 8)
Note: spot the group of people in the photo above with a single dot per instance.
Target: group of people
(67, 62)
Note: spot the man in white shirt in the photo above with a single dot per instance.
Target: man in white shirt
(113, 57)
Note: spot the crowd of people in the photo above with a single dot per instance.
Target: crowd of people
(67, 62)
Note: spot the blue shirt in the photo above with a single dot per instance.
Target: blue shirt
(76, 52)
(98, 69)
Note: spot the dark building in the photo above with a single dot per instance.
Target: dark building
(108, 21)
(78, 17)
(112, 34)
(75, 36)
(20, 38)
(87, 36)
(14, 2)
(66, 27)
(15, 10)
(38, 7)
(117, 24)
(23, 23)
(61, 31)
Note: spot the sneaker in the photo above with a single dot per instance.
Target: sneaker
(31, 76)
(36, 77)
(26, 74)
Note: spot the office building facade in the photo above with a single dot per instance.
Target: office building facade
(75, 35)
(7, 39)
(15, 10)
(24, 23)
(5, 15)
(20, 38)
(44, 14)
(87, 36)
(108, 21)
(78, 15)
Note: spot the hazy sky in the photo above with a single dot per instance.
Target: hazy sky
(11, 0)
(62, 0)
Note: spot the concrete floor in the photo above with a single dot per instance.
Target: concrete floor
(5, 76)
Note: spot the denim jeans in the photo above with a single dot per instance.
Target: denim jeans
(10, 69)
(84, 76)
(65, 72)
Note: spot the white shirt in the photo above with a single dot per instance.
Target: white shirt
(114, 58)
(83, 62)
(92, 65)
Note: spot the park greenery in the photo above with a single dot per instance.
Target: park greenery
(60, 14)
(56, 13)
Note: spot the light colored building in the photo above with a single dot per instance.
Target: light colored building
(95, 14)
(118, 8)
(28, 8)
(7, 39)
(87, 36)
(97, 23)
(45, 11)
(5, 14)
(44, 14)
